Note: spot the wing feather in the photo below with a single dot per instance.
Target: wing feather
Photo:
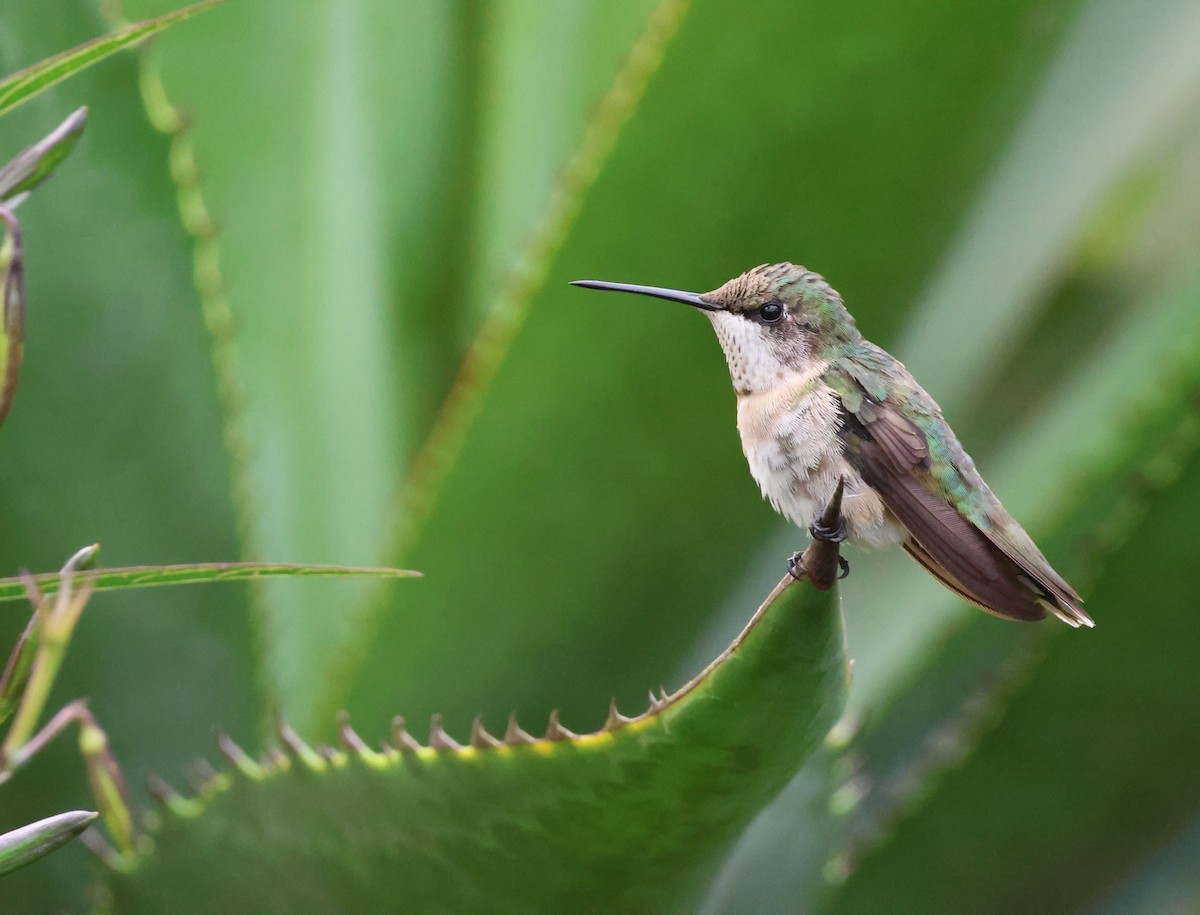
(997, 567)
(958, 553)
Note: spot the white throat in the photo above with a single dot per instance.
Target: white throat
(754, 365)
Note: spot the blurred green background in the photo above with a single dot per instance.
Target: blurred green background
(246, 337)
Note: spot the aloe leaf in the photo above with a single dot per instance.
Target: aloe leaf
(540, 140)
(609, 418)
(1064, 159)
(1081, 773)
(19, 847)
(629, 818)
(1168, 882)
(352, 304)
(200, 572)
(25, 84)
(1068, 418)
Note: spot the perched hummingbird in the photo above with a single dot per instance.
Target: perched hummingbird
(817, 403)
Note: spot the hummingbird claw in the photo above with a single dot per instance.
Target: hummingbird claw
(829, 534)
(795, 566)
(817, 562)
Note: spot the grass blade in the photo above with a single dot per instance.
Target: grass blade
(25, 84)
(191, 573)
(36, 163)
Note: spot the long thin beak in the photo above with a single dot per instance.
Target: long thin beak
(674, 295)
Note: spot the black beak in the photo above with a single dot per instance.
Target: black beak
(675, 295)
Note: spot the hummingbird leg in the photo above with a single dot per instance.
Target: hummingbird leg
(823, 556)
(831, 527)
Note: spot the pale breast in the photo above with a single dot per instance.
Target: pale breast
(790, 439)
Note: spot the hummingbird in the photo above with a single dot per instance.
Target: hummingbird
(819, 406)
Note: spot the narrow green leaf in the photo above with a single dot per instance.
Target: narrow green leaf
(12, 308)
(111, 328)
(191, 573)
(24, 84)
(18, 177)
(628, 819)
(17, 667)
(25, 845)
(35, 163)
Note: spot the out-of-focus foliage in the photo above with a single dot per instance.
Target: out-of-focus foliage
(19, 87)
(251, 294)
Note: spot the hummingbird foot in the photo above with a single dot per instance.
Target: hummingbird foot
(831, 526)
(836, 534)
(795, 565)
(816, 564)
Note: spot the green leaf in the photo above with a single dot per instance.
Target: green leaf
(23, 85)
(1064, 161)
(627, 819)
(15, 673)
(1097, 767)
(604, 456)
(18, 177)
(599, 474)
(1169, 882)
(351, 257)
(19, 847)
(190, 573)
(36, 163)
(12, 308)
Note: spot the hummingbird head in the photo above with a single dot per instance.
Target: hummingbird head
(773, 321)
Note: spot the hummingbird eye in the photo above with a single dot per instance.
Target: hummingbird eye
(771, 312)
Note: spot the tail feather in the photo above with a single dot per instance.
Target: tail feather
(1006, 603)
(1068, 611)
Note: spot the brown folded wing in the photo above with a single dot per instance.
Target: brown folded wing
(891, 454)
